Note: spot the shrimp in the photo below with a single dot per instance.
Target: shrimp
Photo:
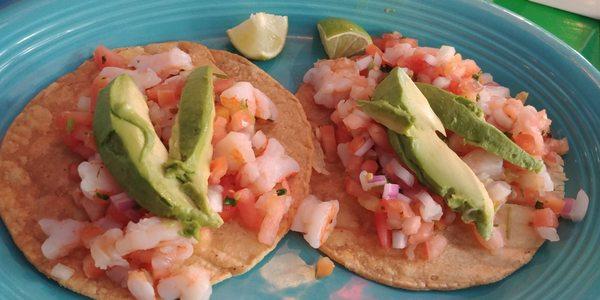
(63, 237)
(239, 96)
(192, 282)
(144, 79)
(169, 254)
(139, 284)
(237, 148)
(164, 64)
(265, 109)
(104, 252)
(272, 167)
(316, 220)
(275, 208)
(147, 234)
(484, 164)
(96, 179)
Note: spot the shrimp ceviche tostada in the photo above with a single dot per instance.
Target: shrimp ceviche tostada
(155, 171)
(444, 178)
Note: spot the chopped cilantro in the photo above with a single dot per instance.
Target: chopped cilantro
(385, 68)
(477, 75)
(103, 59)
(70, 125)
(102, 196)
(539, 205)
(281, 192)
(230, 201)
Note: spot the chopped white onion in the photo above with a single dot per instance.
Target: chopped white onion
(402, 173)
(403, 198)
(441, 82)
(84, 103)
(366, 146)
(398, 239)
(215, 197)
(390, 191)
(445, 54)
(431, 60)
(377, 60)
(61, 272)
(430, 210)
(548, 233)
(580, 206)
(364, 62)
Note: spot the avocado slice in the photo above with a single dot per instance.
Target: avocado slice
(134, 155)
(190, 148)
(391, 116)
(464, 118)
(447, 175)
(401, 92)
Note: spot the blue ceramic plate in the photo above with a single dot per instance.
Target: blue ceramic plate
(42, 40)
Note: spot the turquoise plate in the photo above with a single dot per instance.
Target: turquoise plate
(42, 40)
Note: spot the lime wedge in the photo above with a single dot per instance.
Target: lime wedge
(261, 37)
(342, 38)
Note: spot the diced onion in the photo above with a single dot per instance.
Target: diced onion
(403, 198)
(548, 233)
(61, 272)
(430, 210)
(390, 191)
(402, 173)
(398, 239)
(122, 202)
(567, 208)
(366, 146)
(364, 62)
(431, 60)
(441, 82)
(580, 206)
(215, 197)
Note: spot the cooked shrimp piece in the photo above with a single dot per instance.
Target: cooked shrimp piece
(192, 282)
(265, 108)
(170, 254)
(484, 164)
(239, 96)
(259, 140)
(139, 284)
(496, 240)
(165, 63)
(104, 252)
(96, 179)
(144, 79)
(147, 234)
(237, 148)
(273, 166)
(316, 220)
(63, 237)
(275, 208)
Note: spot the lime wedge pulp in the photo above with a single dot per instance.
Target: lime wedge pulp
(342, 38)
(261, 37)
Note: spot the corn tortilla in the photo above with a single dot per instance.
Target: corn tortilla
(34, 168)
(464, 263)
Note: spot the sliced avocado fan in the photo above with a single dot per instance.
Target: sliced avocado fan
(464, 118)
(135, 156)
(419, 147)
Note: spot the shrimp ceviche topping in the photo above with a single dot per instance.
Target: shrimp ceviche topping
(374, 132)
(127, 238)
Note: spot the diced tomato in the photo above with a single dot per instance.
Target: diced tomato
(342, 135)
(328, 142)
(104, 57)
(372, 49)
(379, 136)
(370, 166)
(222, 111)
(228, 212)
(399, 207)
(383, 232)
(356, 143)
(354, 164)
(117, 215)
(88, 233)
(218, 169)
(250, 216)
(544, 218)
(167, 97)
(89, 268)
(141, 258)
(98, 84)
(221, 84)
(553, 202)
(76, 146)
